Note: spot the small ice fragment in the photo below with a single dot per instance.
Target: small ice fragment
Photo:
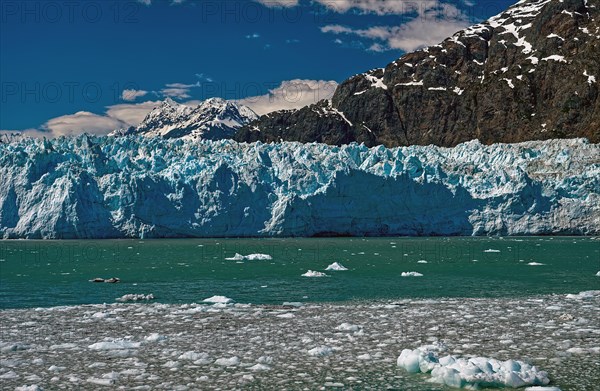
(535, 264)
(411, 274)
(236, 257)
(320, 351)
(155, 337)
(193, 356)
(348, 327)
(287, 315)
(422, 261)
(114, 345)
(259, 257)
(312, 273)
(135, 297)
(228, 362)
(336, 267)
(218, 300)
(491, 250)
(259, 367)
(250, 257)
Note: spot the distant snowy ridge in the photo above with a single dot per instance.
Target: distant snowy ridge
(212, 119)
(100, 187)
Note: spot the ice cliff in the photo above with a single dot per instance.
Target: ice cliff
(88, 187)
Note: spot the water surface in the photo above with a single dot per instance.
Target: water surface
(50, 273)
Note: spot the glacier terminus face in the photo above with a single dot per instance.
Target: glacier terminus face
(145, 187)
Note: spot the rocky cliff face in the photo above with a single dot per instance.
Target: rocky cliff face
(529, 73)
(213, 119)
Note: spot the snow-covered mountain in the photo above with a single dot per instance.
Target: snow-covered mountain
(213, 119)
(88, 187)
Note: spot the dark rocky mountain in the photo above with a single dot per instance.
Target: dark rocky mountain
(532, 72)
(212, 119)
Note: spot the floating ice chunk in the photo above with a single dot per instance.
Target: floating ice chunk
(461, 372)
(336, 267)
(193, 356)
(135, 297)
(365, 357)
(265, 360)
(228, 362)
(312, 273)
(539, 388)
(585, 295)
(250, 257)
(535, 264)
(259, 367)
(422, 261)
(218, 300)
(491, 250)
(287, 315)
(259, 257)
(101, 382)
(171, 364)
(33, 387)
(348, 327)
(598, 274)
(411, 274)
(114, 345)
(155, 337)
(320, 351)
(292, 303)
(6, 347)
(9, 375)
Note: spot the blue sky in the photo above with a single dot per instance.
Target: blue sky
(96, 65)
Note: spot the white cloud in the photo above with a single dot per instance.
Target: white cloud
(131, 114)
(131, 95)
(435, 22)
(176, 92)
(253, 36)
(145, 2)
(291, 94)
(82, 122)
(379, 7)
(179, 90)
(278, 3)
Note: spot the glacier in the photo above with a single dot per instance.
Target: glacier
(150, 187)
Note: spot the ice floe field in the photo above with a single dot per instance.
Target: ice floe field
(552, 341)
(301, 314)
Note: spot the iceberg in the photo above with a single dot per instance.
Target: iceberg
(472, 373)
(150, 187)
(411, 274)
(312, 273)
(336, 267)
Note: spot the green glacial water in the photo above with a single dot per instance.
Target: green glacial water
(51, 273)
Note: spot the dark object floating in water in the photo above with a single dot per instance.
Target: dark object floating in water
(111, 280)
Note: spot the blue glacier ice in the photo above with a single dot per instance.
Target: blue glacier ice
(134, 186)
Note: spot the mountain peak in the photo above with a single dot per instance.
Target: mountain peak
(529, 73)
(214, 119)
